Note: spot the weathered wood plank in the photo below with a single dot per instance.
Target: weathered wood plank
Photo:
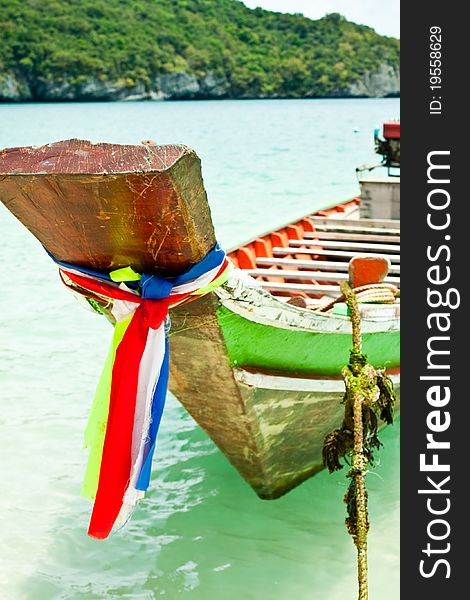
(327, 265)
(394, 258)
(309, 275)
(331, 226)
(359, 247)
(351, 237)
(377, 223)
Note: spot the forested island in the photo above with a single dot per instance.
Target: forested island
(78, 50)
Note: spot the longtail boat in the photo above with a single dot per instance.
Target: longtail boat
(256, 361)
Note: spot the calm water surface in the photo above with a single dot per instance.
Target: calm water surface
(201, 533)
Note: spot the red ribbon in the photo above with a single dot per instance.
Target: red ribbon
(116, 459)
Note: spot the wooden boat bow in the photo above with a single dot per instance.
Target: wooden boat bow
(108, 206)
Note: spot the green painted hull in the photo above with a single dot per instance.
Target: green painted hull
(270, 348)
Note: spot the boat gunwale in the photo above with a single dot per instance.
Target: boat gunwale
(293, 221)
(254, 304)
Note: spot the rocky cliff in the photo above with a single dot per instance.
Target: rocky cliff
(383, 82)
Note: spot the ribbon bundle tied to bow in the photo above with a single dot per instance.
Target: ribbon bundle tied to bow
(129, 400)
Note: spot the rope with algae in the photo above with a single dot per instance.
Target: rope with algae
(369, 398)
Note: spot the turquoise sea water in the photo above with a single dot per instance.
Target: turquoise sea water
(201, 533)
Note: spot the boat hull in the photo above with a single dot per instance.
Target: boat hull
(269, 424)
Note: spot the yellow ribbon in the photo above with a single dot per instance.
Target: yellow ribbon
(96, 427)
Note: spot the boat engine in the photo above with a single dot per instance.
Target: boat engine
(380, 193)
(389, 146)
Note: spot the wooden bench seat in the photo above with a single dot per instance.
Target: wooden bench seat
(352, 236)
(346, 255)
(358, 246)
(310, 275)
(327, 265)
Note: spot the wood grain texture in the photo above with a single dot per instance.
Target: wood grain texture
(107, 206)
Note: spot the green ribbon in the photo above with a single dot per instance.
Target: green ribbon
(214, 284)
(96, 427)
(125, 274)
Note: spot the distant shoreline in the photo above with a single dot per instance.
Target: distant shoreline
(173, 100)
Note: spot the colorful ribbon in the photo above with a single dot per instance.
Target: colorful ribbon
(130, 397)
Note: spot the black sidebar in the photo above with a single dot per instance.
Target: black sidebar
(435, 344)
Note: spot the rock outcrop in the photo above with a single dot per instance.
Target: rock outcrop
(385, 81)
(13, 89)
(185, 86)
(90, 88)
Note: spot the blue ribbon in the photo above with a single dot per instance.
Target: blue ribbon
(155, 287)
(158, 404)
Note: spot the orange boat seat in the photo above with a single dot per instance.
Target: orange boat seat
(307, 224)
(263, 247)
(279, 238)
(295, 232)
(246, 258)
